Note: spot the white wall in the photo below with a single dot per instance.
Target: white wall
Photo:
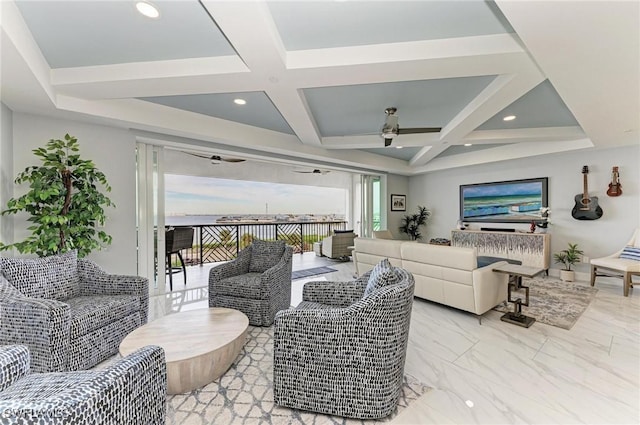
(439, 191)
(113, 152)
(398, 185)
(6, 172)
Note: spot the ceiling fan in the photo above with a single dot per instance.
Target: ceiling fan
(315, 171)
(391, 128)
(215, 159)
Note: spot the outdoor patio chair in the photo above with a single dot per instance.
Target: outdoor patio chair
(624, 263)
(130, 391)
(339, 245)
(177, 239)
(257, 282)
(342, 350)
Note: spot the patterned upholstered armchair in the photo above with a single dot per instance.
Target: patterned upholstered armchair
(257, 282)
(131, 391)
(71, 314)
(342, 350)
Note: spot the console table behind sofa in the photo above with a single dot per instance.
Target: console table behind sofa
(530, 248)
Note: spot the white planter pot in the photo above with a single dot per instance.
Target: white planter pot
(567, 275)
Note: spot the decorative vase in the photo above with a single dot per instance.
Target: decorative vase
(567, 275)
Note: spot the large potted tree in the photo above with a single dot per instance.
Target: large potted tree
(568, 257)
(411, 223)
(64, 201)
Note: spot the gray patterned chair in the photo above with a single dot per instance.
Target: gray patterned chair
(257, 282)
(342, 350)
(131, 391)
(70, 313)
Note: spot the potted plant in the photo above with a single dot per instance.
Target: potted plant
(411, 223)
(65, 204)
(568, 257)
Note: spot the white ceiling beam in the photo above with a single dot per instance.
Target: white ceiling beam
(159, 118)
(265, 55)
(590, 51)
(486, 45)
(500, 93)
(517, 135)
(375, 141)
(502, 153)
(16, 32)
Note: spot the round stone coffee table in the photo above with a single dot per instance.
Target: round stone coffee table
(199, 345)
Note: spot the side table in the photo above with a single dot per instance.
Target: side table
(516, 273)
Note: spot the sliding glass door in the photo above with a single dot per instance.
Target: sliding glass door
(150, 217)
(372, 202)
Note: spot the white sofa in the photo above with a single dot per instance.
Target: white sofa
(444, 274)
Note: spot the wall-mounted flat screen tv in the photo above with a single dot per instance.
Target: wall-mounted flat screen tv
(513, 201)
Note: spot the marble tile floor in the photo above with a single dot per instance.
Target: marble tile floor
(498, 373)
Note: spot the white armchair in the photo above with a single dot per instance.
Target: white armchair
(616, 266)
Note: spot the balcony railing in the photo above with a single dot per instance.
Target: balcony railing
(222, 242)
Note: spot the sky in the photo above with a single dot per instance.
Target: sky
(211, 196)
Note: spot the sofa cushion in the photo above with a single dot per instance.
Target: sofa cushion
(54, 277)
(93, 312)
(383, 274)
(246, 285)
(265, 254)
(630, 253)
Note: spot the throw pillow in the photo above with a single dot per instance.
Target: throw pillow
(55, 277)
(383, 274)
(265, 255)
(630, 253)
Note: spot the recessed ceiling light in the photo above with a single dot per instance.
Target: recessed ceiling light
(239, 101)
(469, 403)
(148, 9)
(509, 118)
(468, 144)
(398, 147)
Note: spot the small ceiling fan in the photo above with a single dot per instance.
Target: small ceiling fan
(314, 171)
(391, 128)
(215, 159)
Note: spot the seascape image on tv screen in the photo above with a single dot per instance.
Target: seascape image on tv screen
(518, 201)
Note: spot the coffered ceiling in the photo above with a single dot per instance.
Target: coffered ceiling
(317, 76)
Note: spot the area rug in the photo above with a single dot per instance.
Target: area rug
(299, 274)
(554, 302)
(244, 395)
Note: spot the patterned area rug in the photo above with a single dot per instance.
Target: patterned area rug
(299, 274)
(554, 302)
(244, 395)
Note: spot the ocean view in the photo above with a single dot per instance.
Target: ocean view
(194, 220)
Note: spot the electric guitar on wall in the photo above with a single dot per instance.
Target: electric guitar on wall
(586, 207)
(615, 188)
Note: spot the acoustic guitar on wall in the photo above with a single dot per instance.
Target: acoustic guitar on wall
(586, 207)
(615, 188)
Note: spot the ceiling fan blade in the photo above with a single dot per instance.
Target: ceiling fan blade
(419, 130)
(215, 159)
(315, 171)
(198, 155)
(387, 142)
